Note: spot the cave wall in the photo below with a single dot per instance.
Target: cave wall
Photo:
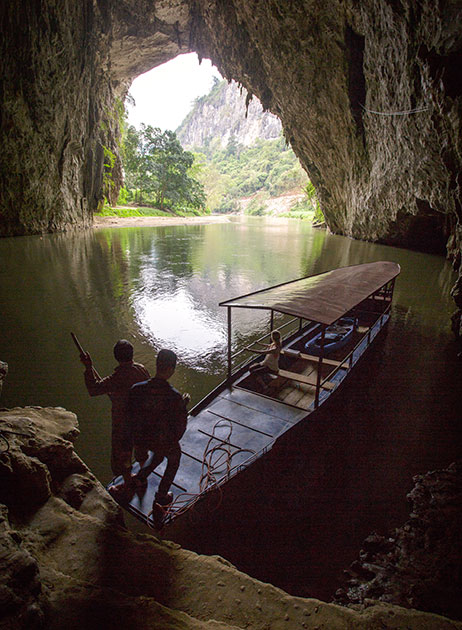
(324, 68)
(61, 100)
(369, 94)
(52, 97)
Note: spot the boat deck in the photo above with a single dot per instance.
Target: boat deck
(236, 428)
(241, 421)
(296, 384)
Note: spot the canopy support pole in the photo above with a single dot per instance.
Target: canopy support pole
(271, 320)
(229, 343)
(318, 378)
(392, 289)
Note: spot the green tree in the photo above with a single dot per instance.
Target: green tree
(156, 164)
(233, 148)
(131, 158)
(236, 171)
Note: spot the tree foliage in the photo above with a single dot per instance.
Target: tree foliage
(160, 170)
(237, 171)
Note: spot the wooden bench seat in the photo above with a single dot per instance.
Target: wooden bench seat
(309, 379)
(309, 357)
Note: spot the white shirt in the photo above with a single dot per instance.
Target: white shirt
(271, 359)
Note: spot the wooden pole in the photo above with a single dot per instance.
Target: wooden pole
(82, 351)
(77, 343)
(229, 343)
(318, 379)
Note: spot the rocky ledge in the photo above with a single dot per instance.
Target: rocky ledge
(417, 565)
(67, 561)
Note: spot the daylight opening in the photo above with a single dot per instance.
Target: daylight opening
(193, 144)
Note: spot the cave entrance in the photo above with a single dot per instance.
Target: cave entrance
(241, 159)
(160, 174)
(164, 95)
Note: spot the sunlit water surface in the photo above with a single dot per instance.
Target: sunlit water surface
(160, 287)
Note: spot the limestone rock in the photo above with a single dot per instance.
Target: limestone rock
(225, 113)
(67, 562)
(20, 588)
(25, 482)
(37, 456)
(417, 565)
(3, 373)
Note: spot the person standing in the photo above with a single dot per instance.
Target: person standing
(158, 418)
(117, 386)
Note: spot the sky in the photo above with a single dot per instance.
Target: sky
(164, 96)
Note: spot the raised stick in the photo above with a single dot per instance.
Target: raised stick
(82, 351)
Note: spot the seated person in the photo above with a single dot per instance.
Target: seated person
(272, 352)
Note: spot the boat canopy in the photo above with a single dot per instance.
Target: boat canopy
(325, 297)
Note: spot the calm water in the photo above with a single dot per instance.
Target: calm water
(309, 508)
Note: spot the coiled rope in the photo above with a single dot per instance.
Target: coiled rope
(216, 465)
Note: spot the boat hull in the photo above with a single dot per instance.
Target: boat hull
(241, 419)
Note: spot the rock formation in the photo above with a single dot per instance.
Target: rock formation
(3, 373)
(368, 93)
(417, 565)
(224, 113)
(68, 562)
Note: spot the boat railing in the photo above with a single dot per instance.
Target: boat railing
(240, 368)
(266, 336)
(348, 359)
(346, 363)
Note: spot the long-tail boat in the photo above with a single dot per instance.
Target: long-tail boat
(241, 419)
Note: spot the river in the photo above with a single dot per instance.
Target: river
(302, 519)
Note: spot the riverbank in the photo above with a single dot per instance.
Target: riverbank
(68, 561)
(114, 221)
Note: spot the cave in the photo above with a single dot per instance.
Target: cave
(427, 230)
(367, 93)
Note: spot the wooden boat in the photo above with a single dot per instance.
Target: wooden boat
(240, 420)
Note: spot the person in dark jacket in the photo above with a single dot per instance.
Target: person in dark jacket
(158, 419)
(117, 386)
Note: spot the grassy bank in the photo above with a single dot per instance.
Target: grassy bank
(140, 211)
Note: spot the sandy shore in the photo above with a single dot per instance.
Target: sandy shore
(113, 222)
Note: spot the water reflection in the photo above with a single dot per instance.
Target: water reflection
(161, 287)
(174, 280)
(174, 321)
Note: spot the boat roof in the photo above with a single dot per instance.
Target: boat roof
(323, 297)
